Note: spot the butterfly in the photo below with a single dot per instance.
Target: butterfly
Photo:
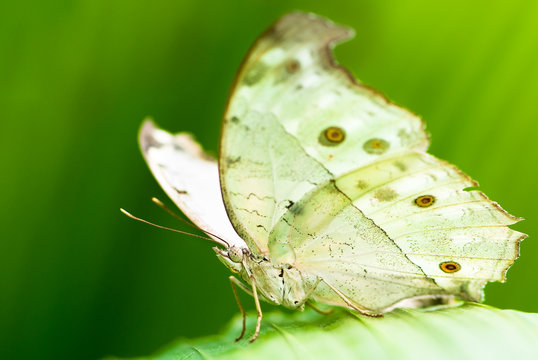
(323, 190)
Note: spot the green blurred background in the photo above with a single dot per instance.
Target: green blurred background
(80, 281)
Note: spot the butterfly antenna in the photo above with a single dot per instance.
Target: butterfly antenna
(219, 241)
(167, 209)
(160, 204)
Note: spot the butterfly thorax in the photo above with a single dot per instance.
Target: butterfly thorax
(281, 284)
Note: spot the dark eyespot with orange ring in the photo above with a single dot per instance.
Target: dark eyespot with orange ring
(425, 200)
(332, 136)
(450, 266)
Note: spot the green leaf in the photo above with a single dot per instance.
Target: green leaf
(470, 331)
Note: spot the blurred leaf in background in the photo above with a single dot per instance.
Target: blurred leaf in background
(80, 280)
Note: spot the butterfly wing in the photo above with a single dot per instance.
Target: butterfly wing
(367, 235)
(432, 212)
(189, 177)
(326, 174)
(326, 236)
(295, 119)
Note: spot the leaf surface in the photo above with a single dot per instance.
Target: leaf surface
(470, 331)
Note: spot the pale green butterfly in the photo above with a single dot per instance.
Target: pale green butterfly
(326, 190)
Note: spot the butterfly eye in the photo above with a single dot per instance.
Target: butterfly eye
(376, 146)
(425, 200)
(332, 136)
(235, 254)
(450, 266)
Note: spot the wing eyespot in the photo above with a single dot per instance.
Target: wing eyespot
(425, 201)
(332, 136)
(376, 146)
(293, 66)
(450, 266)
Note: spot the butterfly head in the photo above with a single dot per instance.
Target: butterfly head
(233, 257)
(236, 254)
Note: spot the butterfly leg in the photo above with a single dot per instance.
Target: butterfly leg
(318, 310)
(234, 282)
(258, 309)
(363, 311)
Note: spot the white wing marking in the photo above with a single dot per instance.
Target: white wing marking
(189, 177)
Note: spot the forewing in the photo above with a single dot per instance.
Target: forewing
(293, 108)
(189, 177)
